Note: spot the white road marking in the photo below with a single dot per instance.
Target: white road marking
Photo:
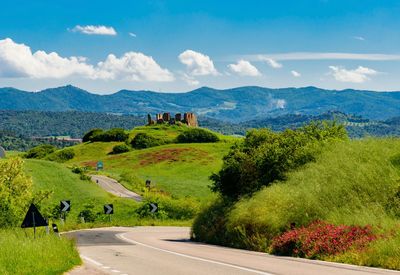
(115, 271)
(91, 260)
(106, 267)
(122, 237)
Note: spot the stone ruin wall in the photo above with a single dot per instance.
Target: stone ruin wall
(189, 119)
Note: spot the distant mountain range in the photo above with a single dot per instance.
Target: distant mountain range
(232, 105)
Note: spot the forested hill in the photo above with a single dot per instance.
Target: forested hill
(234, 105)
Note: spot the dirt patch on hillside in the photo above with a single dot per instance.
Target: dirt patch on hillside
(173, 155)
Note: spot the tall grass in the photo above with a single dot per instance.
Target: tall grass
(21, 254)
(352, 183)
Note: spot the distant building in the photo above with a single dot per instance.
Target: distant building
(189, 119)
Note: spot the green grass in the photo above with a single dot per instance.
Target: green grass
(352, 183)
(179, 169)
(47, 254)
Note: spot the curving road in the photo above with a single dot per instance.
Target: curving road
(114, 187)
(168, 250)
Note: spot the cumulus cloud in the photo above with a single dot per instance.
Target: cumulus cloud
(359, 75)
(133, 66)
(132, 34)
(197, 63)
(244, 68)
(323, 56)
(94, 30)
(190, 80)
(295, 73)
(271, 62)
(18, 61)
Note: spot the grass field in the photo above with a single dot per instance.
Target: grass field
(47, 254)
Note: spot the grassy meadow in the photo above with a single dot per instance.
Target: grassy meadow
(351, 183)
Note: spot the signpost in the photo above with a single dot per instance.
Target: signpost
(65, 206)
(34, 219)
(109, 210)
(154, 207)
(99, 165)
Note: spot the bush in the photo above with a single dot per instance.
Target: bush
(197, 135)
(143, 140)
(62, 155)
(119, 149)
(15, 192)
(321, 239)
(265, 156)
(40, 151)
(115, 134)
(88, 213)
(168, 208)
(89, 135)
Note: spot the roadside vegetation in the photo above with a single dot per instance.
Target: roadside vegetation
(20, 253)
(308, 193)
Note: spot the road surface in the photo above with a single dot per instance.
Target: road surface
(168, 250)
(114, 187)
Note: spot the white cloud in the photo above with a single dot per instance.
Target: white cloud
(18, 61)
(360, 38)
(295, 73)
(358, 75)
(271, 62)
(323, 56)
(94, 30)
(190, 80)
(197, 63)
(132, 34)
(133, 66)
(244, 68)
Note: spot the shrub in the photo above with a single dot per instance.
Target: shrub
(265, 156)
(62, 155)
(88, 213)
(168, 208)
(119, 149)
(115, 134)
(143, 140)
(15, 192)
(40, 151)
(89, 135)
(321, 239)
(197, 135)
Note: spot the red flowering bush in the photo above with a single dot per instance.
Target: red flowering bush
(321, 239)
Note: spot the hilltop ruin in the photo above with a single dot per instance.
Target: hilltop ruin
(189, 119)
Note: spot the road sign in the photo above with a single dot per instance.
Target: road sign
(100, 165)
(154, 207)
(108, 209)
(33, 218)
(65, 206)
(2, 152)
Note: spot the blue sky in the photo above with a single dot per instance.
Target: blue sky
(174, 46)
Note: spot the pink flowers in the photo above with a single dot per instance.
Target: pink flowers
(321, 239)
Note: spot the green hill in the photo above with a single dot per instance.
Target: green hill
(179, 169)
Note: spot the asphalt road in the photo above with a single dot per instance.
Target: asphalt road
(114, 187)
(168, 250)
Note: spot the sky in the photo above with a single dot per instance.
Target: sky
(181, 45)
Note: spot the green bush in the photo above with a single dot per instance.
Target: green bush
(62, 155)
(197, 135)
(89, 135)
(168, 208)
(119, 149)
(88, 213)
(115, 134)
(40, 151)
(143, 140)
(15, 192)
(265, 156)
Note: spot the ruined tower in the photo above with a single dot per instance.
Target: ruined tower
(190, 119)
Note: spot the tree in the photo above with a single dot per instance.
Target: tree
(15, 192)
